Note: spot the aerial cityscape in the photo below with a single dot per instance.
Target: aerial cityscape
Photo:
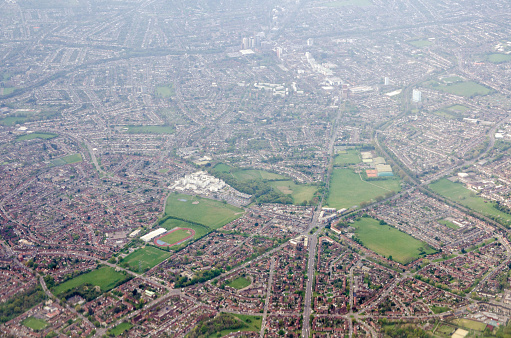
(242, 168)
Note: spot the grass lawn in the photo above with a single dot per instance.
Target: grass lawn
(452, 79)
(420, 43)
(439, 309)
(499, 58)
(239, 283)
(12, 120)
(176, 236)
(172, 223)
(252, 324)
(299, 192)
(151, 130)
(75, 158)
(350, 157)
(44, 136)
(448, 224)
(165, 91)
(222, 168)
(342, 3)
(119, 329)
(6, 90)
(445, 329)
(470, 324)
(250, 174)
(105, 277)
(348, 190)
(458, 107)
(452, 112)
(388, 241)
(458, 193)
(35, 324)
(148, 257)
(163, 171)
(208, 212)
(466, 88)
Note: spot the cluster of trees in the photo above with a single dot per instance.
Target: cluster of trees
(86, 291)
(223, 322)
(501, 207)
(7, 233)
(21, 303)
(201, 277)
(405, 331)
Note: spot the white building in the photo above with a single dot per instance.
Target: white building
(416, 95)
(147, 237)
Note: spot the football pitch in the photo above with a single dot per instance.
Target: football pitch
(388, 241)
(211, 213)
(348, 190)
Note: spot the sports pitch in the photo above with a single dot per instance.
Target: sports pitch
(388, 241)
(105, 277)
(299, 192)
(458, 193)
(35, 324)
(349, 157)
(144, 259)
(174, 237)
(348, 190)
(211, 213)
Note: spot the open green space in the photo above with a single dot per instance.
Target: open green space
(240, 283)
(105, 277)
(6, 90)
(35, 324)
(299, 192)
(452, 79)
(75, 158)
(171, 223)
(349, 157)
(452, 112)
(448, 224)
(464, 88)
(120, 329)
(445, 329)
(163, 171)
(21, 116)
(348, 190)
(151, 129)
(470, 324)
(343, 3)
(12, 120)
(165, 91)
(439, 309)
(251, 174)
(204, 211)
(265, 186)
(144, 258)
(499, 58)
(458, 193)
(458, 107)
(44, 136)
(222, 168)
(225, 324)
(420, 43)
(389, 242)
(176, 236)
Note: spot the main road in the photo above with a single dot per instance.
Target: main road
(315, 223)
